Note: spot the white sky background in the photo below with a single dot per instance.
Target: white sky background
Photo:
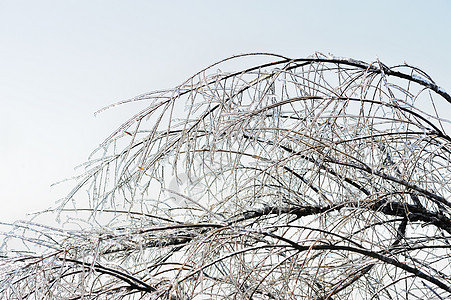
(60, 61)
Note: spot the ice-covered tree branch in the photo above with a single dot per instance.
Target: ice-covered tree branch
(260, 177)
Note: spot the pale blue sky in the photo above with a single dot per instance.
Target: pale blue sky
(62, 60)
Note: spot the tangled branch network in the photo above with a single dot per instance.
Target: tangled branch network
(311, 178)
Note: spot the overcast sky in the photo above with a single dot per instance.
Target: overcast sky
(60, 61)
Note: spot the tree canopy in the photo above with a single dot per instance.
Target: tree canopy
(259, 177)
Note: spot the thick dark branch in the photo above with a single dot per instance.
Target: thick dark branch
(383, 69)
(298, 211)
(412, 212)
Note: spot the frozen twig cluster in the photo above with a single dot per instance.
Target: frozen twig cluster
(312, 178)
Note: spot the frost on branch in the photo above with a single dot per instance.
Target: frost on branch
(260, 177)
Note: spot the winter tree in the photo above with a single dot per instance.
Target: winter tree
(260, 177)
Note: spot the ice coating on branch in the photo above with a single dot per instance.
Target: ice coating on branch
(441, 90)
(422, 80)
